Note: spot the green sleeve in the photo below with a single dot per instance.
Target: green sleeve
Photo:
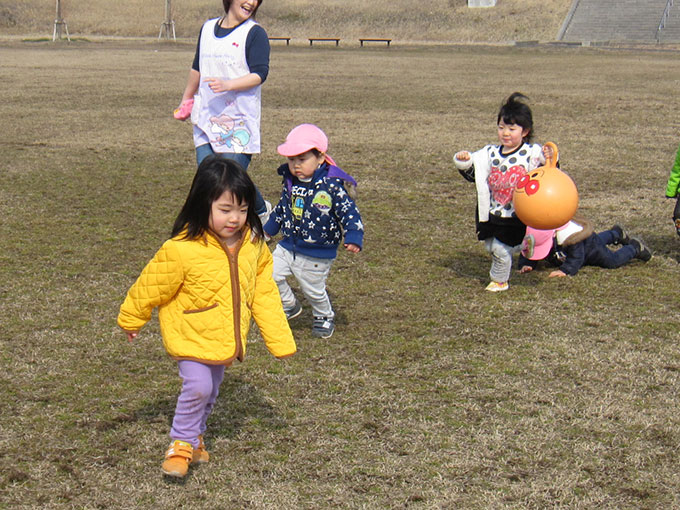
(674, 179)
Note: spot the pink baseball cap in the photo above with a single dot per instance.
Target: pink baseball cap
(303, 138)
(537, 243)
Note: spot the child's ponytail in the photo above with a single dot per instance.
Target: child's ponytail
(516, 111)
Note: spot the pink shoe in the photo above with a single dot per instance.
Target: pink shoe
(184, 110)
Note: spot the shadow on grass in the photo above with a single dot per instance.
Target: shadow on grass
(239, 402)
(664, 243)
(475, 267)
(466, 265)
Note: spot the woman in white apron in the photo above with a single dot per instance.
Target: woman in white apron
(223, 94)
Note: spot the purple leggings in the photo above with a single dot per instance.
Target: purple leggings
(200, 387)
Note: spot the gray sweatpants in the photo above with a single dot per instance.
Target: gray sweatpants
(311, 273)
(501, 259)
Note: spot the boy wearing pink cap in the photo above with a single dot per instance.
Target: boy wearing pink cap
(576, 244)
(315, 210)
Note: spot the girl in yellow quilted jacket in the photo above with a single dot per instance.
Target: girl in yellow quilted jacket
(207, 281)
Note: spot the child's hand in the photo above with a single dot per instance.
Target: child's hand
(548, 152)
(352, 248)
(217, 85)
(183, 111)
(557, 274)
(462, 156)
(131, 335)
(526, 269)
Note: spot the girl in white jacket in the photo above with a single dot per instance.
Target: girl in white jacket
(496, 169)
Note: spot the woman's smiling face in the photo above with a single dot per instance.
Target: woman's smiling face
(241, 10)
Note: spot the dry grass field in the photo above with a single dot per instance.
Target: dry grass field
(432, 394)
(402, 20)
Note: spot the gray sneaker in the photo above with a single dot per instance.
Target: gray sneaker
(291, 313)
(643, 253)
(323, 327)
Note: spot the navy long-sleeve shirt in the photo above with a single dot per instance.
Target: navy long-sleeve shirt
(257, 49)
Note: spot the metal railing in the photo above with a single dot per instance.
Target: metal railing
(664, 18)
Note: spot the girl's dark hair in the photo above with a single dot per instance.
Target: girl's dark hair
(515, 111)
(227, 4)
(215, 175)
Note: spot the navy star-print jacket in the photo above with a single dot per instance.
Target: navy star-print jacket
(328, 212)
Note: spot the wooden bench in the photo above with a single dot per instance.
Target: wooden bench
(312, 39)
(287, 39)
(362, 41)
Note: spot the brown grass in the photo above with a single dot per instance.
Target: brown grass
(402, 20)
(432, 393)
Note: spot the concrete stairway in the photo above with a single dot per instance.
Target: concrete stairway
(618, 20)
(671, 30)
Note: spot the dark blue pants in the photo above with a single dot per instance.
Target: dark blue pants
(600, 255)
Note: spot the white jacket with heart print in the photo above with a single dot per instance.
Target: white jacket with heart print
(496, 176)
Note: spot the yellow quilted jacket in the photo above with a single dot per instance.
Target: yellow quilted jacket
(206, 296)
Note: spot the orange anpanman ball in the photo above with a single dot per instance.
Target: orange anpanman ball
(547, 197)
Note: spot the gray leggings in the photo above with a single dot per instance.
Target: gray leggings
(501, 259)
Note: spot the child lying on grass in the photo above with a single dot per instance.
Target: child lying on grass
(576, 244)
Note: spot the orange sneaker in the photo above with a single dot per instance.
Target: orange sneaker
(201, 455)
(177, 459)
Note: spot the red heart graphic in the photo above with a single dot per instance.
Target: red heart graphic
(501, 184)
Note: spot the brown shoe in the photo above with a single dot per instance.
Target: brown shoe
(177, 459)
(200, 455)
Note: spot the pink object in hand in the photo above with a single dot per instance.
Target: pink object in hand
(184, 110)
